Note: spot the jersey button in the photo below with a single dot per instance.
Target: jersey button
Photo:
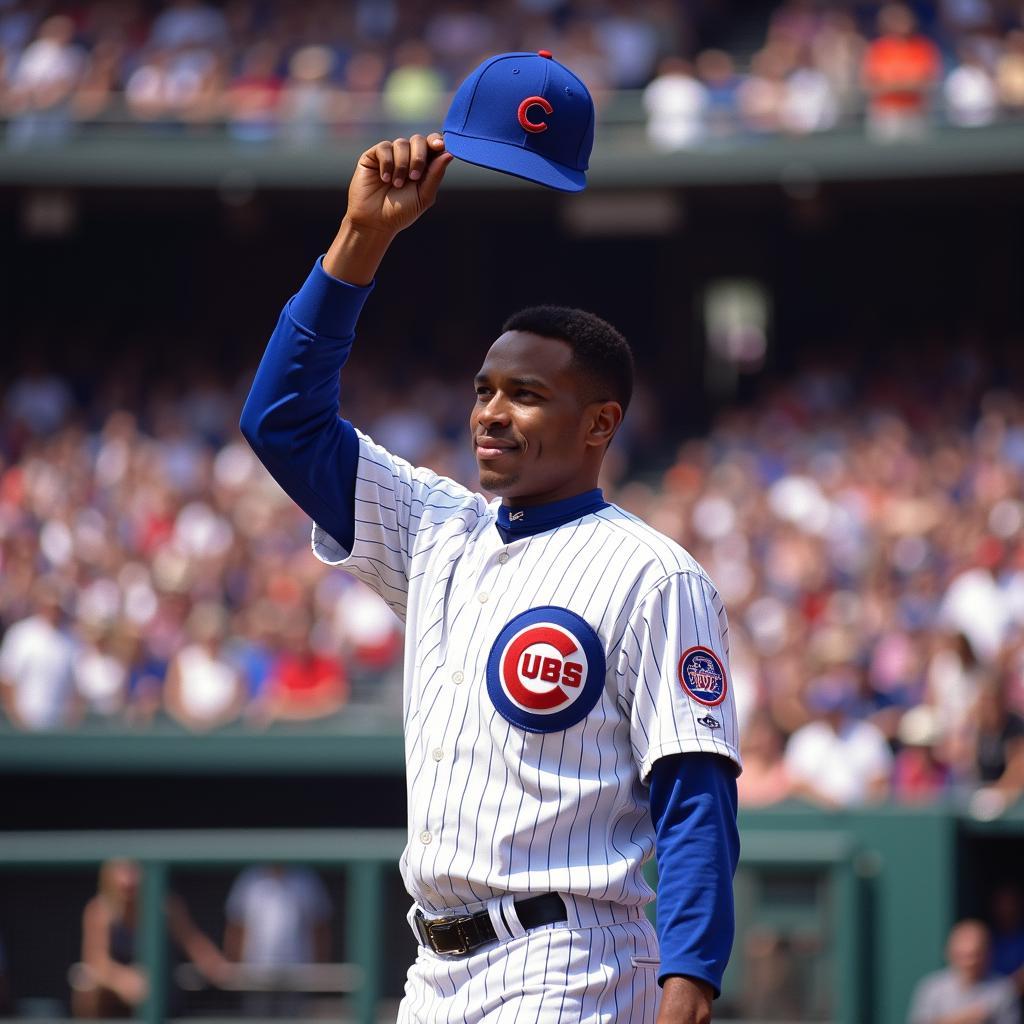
(457, 677)
(426, 838)
(503, 557)
(437, 754)
(483, 597)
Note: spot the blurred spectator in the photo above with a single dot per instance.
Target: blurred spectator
(772, 986)
(101, 671)
(37, 666)
(954, 679)
(370, 636)
(304, 683)
(253, 97)
(676, 103)
(458, 33)
(998, 751)
(629, 36)
(43, 81)
(364, 79)
(1010, 74)
(837, 51)
(1006, 907)
(919, 776)
(836, 760)
(413, 90)
(810, 103)
(765, 778)
(203, 689)
(100, 82)
(310, 101)
(717, 70)
(171, 86)
(189, 23)
(108, 983)
(761, 96)
(251, 650)
(966, 992)
(900, 70)
(970, 91)
(277, 916)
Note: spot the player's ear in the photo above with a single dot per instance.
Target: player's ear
(605, 418)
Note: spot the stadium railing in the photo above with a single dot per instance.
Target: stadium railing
(366, 855)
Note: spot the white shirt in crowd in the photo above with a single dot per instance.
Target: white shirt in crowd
(972, 99)
(840, 765)
(209, 685)
(37, 659)
(676, 105)
(278, 910)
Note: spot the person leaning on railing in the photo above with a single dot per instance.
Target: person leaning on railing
(108, 982)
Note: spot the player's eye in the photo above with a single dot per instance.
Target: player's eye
(483, 393)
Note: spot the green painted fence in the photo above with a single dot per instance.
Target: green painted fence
(885, 885)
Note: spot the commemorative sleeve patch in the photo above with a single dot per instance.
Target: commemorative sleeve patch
(702, 676)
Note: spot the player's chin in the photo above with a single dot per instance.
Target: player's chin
(497, 482)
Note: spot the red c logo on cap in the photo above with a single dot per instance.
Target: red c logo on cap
(534, 101)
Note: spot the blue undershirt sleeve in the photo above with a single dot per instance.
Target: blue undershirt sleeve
(693, 807)
(291, 415)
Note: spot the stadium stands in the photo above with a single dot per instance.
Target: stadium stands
(865, 538)
(301, 73)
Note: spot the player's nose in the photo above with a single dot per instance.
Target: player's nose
(495, 413)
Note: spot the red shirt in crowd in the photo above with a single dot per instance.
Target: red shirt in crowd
(898, 72)
(308, 679)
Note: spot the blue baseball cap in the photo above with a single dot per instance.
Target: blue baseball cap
(524, 114)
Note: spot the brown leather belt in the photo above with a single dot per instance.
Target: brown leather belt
(459, 936)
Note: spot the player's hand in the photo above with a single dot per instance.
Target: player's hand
(395, 182)
(685, 1001)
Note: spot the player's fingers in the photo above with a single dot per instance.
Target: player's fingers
(435, 140)
(419, 151)
(432, 179)
(385, 154)
(401, 150)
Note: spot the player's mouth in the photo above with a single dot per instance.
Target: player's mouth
(488, 448)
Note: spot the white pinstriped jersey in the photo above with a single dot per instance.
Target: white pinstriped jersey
(521, 777)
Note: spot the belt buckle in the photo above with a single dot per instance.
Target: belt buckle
(445, 925)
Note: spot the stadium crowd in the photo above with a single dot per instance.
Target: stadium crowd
(302, 72)
(867, 543)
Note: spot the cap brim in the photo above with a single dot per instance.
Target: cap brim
(514, 160)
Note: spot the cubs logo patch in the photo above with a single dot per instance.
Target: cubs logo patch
(703, 676)
(545, 671)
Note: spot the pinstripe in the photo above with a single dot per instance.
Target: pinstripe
(553, 976)
(474, 747)
(509, 810)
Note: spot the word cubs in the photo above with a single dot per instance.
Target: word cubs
(543, 679)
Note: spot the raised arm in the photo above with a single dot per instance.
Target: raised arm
(291, 415)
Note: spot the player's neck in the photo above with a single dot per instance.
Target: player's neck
(516, 520)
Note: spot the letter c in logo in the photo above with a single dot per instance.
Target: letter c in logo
(524, 107)
(546, 670)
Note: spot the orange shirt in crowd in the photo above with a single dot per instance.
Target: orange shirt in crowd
(898, 72)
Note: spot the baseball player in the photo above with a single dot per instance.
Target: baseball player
(568, 708)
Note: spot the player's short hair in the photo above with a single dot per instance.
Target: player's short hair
(601, 355)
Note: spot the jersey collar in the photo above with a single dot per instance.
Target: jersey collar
(514, 522)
